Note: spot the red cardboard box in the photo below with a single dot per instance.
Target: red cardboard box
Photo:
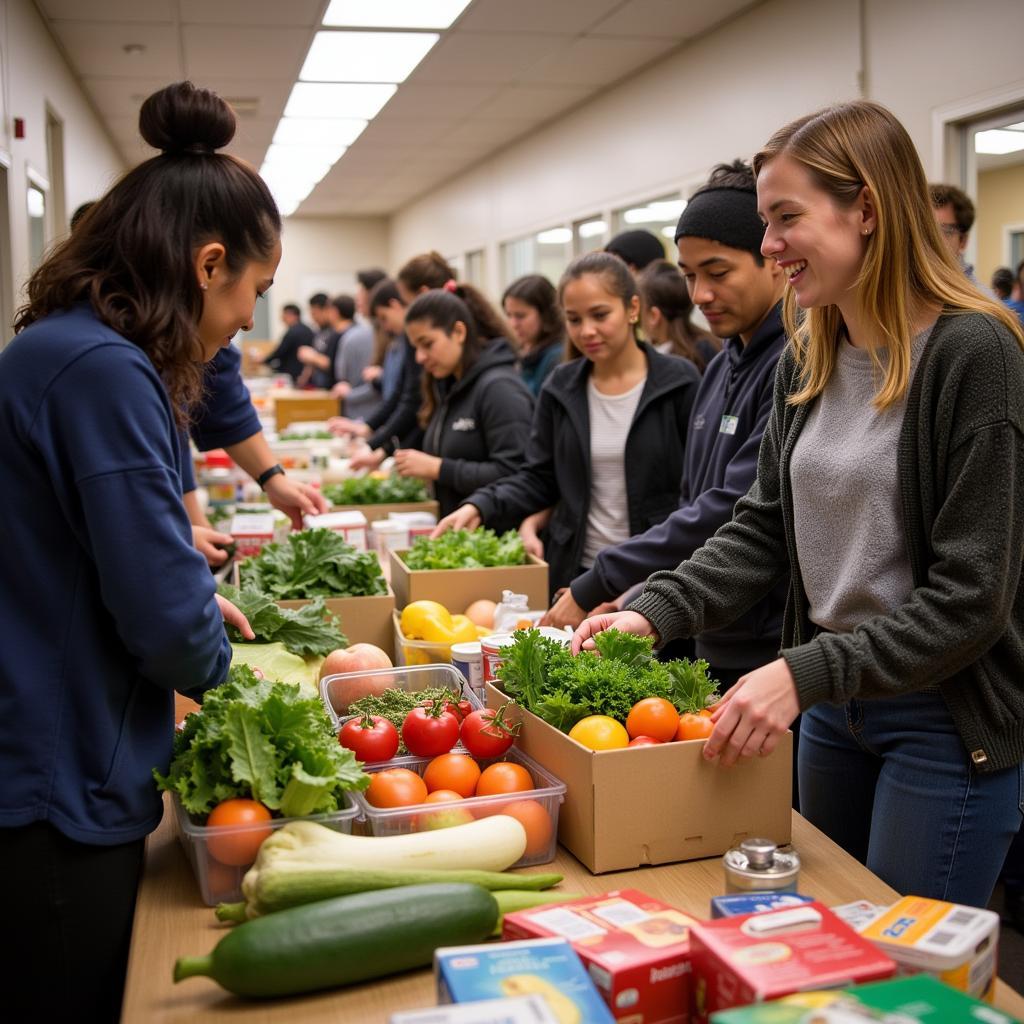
(636, 950)
(757, 957)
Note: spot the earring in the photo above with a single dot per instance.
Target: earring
(204, 286)
(866, 231)
(632, 319)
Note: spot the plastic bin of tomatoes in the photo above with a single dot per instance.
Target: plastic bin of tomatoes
(417, 794)
(220, 856)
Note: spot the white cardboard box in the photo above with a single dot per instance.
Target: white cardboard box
(351, 525)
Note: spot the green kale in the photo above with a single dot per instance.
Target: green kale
(370, 490)
(466, 549)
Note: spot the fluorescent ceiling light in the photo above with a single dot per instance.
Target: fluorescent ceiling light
(365, 56)
(314, 131)
(669, 232)
(555, 236)
(998, 141)
(394, 13)
(655, 213)
(668, 208)
(591, 228)
(287, 208)
(1018, 127)
(302, 156)
(334, 100)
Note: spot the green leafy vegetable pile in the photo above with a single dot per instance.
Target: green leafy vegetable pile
(371, 490)
(313, 563)
(543, 676)
(305, 435)
(466, 549)
(261, 739)
(394, 704)
(307, 631)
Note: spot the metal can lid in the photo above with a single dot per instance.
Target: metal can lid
(760, 853)
(761, 857)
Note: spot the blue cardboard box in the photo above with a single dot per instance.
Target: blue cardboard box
(754, 903)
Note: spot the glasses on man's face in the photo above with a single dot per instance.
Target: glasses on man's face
(949, 230)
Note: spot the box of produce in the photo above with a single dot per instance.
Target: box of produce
(546, 967)
(377, 497)
(351, 525)
(636, 949)
(463, 566)
(258, 755)
(318, 563)
(583, 718)
(423, 794)
(754, 958)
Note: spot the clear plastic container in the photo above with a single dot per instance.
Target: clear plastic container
(338, 690)
(418, 652)
(395, 821)
(222, 883)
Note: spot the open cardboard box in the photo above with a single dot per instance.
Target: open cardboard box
(375, 512)
(655, 805)
(456, 589)
(364, 620)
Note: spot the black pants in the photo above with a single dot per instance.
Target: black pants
(68, 916)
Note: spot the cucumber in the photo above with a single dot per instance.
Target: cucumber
(345, 940)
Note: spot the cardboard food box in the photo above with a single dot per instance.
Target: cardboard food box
(375, 512)
(456, 589)
(351, 525)
(635, 948)
(517, 1010)
(544, 967)
(758, 957)
(677, 805)
(298, 407)
(754, 903)
(364, 620)
(251, 531)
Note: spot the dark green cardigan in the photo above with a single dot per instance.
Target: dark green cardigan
(961, 480)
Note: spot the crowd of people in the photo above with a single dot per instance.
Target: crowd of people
(818, 493)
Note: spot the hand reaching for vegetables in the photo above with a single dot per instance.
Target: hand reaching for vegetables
(410, 462)
(295, 499)
(465, 517)
(233, 616)
(625, 622)
(529, 532)
(565, 611)
(205, 539)
(752, 716)
(367, 458)
(341, 425)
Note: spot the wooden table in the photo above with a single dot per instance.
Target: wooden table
(170, 922)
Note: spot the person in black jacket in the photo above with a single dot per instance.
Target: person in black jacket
(285, 358)
(606, 447)
(477, 410)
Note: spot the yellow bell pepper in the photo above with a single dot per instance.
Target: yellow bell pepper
(426, 620)
(463, 630)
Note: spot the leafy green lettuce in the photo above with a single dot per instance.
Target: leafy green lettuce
(313, 563)
(543, 676)
(466, 549)
(305, 631)
(262, 739)
(371, 490)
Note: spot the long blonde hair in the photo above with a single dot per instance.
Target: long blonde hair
(844, 148)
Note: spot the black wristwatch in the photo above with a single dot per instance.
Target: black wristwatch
(268, 473)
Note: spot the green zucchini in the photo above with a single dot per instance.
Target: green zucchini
(510, 900)
(345, 940)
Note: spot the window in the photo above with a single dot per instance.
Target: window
(589, 234)
(547, 252)
(58, 223)
(659, 216)
(476, 267)
(36, 203)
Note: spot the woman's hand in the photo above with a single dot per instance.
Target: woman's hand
(627, 622)
(295, 499)
(752, 716)
(529, 532)
(410, 462)
(564, 612)
(367, 458)
(341, 389)
(234, 617)
(339, 426)
(205, 539)
(372, 373)
(465, 517)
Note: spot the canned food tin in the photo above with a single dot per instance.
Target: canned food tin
(491, 653)
(468, 659)
(758, 865)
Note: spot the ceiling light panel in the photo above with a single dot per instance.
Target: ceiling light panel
(365, 56)
(998, 141)
(334, 100)
(318, 131)
(394, 13)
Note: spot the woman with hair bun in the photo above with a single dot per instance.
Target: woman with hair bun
(108, 607)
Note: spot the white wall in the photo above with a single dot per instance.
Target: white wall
(35, 77)
(717, 98)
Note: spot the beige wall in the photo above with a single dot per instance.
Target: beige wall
(1000, 202)
(36, 77)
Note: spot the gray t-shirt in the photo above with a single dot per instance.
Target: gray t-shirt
(847, 514)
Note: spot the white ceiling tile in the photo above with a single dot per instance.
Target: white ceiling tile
(569, 17)
(490, 59)
(251, 12)
(98, 49)
(596, 62)
(108, 10)
(663, 18)
(403, 132)
(477, 136)
(122, 97)
(417, 99)
(530, 102)
(212, 51)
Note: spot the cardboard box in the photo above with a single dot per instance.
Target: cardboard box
(302, 408)
(758, 957)
(375, 512)
(351, 525)
(518, 1010)
(635, 948)
(456, 589)
(251, 531)
(676, 804)
(544, 967)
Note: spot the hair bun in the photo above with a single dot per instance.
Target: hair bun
(181, 118)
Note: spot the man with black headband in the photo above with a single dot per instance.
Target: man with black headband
(719, 238)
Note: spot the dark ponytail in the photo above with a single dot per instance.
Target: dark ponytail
(131, 257)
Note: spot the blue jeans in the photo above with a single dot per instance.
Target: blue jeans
(891, 782)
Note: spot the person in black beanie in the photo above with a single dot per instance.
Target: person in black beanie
(636, 249)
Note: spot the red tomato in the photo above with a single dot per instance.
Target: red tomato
(486, 734)
(396, 787)
(370, 738)
(238, 848)
(504, 777)
(458, 772)
(695, 727)
(428, 732)
(537, 822)
(654, 717)
(645, 741)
